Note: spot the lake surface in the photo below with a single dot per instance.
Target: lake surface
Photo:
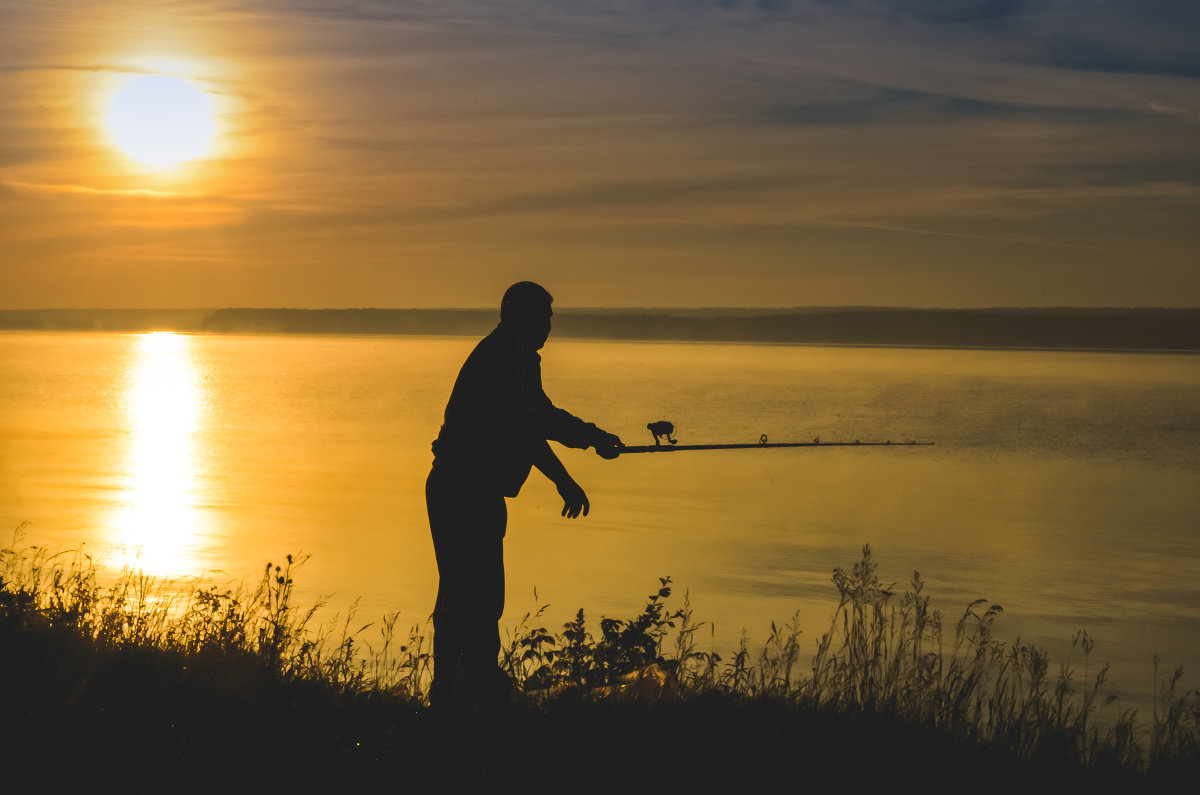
(1063, 485)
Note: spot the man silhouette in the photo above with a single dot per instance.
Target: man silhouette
(497, 423)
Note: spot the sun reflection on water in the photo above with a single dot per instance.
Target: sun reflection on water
(157, 524)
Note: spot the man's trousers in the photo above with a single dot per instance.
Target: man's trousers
(468, 525)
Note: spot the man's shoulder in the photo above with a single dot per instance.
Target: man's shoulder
(503, 345)
(497, 338)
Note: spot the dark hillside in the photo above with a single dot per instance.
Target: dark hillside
(999, 328)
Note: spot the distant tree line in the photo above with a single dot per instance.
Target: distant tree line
(1019, 328)
(103, 319)
(1057, 327)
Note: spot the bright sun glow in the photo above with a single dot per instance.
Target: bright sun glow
(161, 121)
(159, 517)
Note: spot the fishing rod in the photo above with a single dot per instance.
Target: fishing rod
(663, 430)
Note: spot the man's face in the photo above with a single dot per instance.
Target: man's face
(537, 328)
(531, 321)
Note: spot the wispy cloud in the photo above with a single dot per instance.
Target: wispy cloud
(1031, 241)
(84, 190)
(512, 130)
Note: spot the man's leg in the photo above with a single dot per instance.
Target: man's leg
(468, 540)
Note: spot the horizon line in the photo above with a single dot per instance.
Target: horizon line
(696, 308)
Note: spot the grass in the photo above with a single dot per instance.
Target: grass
(140, 679)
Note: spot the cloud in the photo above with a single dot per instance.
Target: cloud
(1076, 52)
(358, 128)
(866, 105)
(65, 67)
(957, 11)
(909, 230)
(84, 190)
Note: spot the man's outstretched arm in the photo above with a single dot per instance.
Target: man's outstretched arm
(567, 429)
(575, 501)
(551, 422)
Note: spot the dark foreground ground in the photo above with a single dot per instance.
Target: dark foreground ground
(74, 715)
(122, 685)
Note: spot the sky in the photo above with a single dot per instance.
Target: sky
(757, 153)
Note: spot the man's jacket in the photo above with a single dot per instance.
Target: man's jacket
(498, 412)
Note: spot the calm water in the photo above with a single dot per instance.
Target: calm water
(1063, 485)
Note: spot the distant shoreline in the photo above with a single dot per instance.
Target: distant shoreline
(1057, 328)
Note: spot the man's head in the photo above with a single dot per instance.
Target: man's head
(526, 307)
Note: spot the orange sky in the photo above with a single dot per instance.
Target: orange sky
(674, 153)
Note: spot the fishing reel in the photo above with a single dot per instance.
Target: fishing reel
(662, 430)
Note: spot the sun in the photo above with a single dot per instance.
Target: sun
(161, 121)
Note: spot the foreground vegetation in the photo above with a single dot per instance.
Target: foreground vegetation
(140, 680)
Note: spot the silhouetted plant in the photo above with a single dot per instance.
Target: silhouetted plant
(884, 655)
(539, 660)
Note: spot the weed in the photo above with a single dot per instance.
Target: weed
(884, 655)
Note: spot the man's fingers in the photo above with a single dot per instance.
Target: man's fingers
(575, 500)
(572, 510)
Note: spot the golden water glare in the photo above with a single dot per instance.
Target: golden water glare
(158, 520)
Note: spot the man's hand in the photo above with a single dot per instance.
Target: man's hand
(574, 500)
(608, 445)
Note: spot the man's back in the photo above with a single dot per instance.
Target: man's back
(487, 424)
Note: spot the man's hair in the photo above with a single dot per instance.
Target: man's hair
(523, 300)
